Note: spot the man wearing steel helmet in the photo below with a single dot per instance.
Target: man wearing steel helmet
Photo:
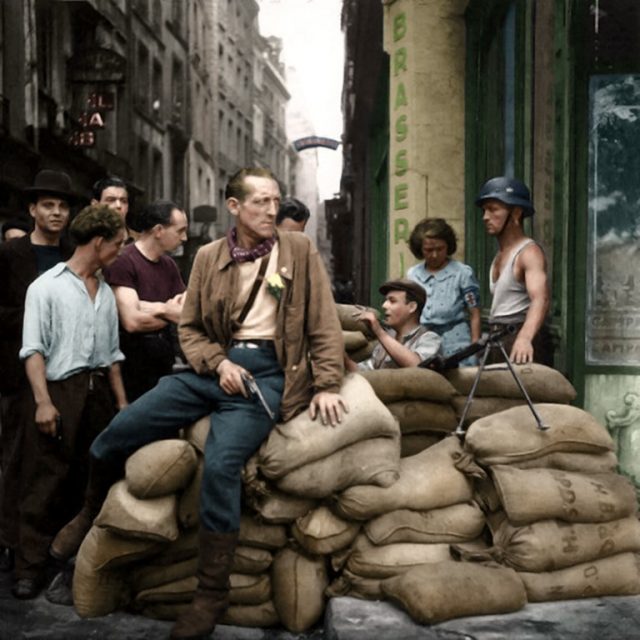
(518, 274)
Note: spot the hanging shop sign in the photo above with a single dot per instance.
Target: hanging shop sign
(97, 65)
(101, 101)
(311, 142)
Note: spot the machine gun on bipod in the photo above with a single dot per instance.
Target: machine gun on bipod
(492, 340)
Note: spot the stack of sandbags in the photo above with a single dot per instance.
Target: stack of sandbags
(412, 522)
(359, 340)
(497, 389)
(138, 519)
(287, 533)
(304, 458)
(559, 514)
(421, 400)
(163, 587)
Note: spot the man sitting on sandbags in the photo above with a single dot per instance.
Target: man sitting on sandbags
(258, 311)
(408, 343)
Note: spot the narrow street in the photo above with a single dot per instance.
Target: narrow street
(345, 619)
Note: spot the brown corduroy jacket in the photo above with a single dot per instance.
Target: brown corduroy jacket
(308, 339)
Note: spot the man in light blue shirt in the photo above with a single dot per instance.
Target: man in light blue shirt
(71, 355)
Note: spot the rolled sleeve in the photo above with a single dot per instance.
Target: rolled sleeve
(427, 345)
(36, 332)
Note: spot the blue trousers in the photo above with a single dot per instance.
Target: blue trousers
(238, 427)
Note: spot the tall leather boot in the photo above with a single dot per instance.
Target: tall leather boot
(212, 595)
(68, 540)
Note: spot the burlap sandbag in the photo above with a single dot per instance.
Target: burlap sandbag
(410, 383)
(189, 499)
(298, 583)
(302, 440)
(184, 547)
(550, 545)
(260, 534)
(197, 433)
(350, 585)
(249, 588)
(363, 353)
(464, 521)
(100, 578)
(160, 468)
(321, 532)
(441, 591)
(569, 461)
(372, 561)
(413, 443)
(528, 495)
(271, 504)
(512, 435)
(427, 480)
(416, 416)
(354, 340)
(260, 615)
(245, 589)
(349, 314)
(375, 461)
(278, 507)
(150, 576)
(251, 615)
(181, 590)
(617, 575)
(543, 384)
(251, 560)
(151, 519)
(481, 407)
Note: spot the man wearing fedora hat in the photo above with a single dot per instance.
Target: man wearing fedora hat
(22, 260)
(408, 343)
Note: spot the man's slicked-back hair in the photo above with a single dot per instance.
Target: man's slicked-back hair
(157, 212)
(237, 188)
(294, 209)
(104, 183)
(96, 220)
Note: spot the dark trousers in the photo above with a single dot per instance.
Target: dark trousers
(238, 427)
(15, 414)
(54, 471)
(148, 357)
(542, 345)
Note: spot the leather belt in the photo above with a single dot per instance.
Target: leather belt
(252, 344)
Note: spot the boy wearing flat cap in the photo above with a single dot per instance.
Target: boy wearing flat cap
(408, 342)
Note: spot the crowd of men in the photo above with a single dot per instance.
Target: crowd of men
(93, 331)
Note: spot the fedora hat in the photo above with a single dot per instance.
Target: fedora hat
(53, 183)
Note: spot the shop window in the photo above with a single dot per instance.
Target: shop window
(612, 314)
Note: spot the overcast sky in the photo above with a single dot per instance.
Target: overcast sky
(313, 43)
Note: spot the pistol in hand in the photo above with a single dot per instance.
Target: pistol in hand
(254, 392)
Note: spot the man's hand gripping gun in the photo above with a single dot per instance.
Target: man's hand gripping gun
(492, 340)
(253, 390)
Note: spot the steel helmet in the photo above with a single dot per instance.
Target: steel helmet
(507, 190)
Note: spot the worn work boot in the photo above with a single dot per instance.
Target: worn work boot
(68, 540)
(212, 595)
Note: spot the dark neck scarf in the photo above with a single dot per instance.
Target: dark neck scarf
(239, 254)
